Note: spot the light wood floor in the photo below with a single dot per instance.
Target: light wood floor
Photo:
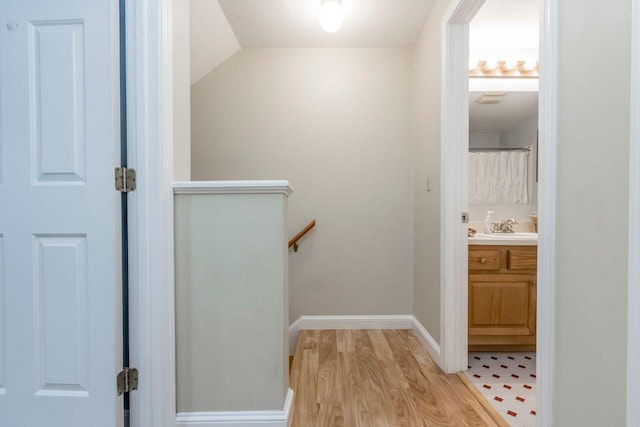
(374, 378)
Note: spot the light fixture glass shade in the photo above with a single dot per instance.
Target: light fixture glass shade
(331, 16)
(529, 65)
(509, 65)
(490, 65)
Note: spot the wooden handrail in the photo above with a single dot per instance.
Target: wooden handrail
(294, 242)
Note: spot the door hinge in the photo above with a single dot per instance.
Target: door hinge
(125, 180)
(127, 380)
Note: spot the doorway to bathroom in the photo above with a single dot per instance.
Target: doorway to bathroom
(499, 73)
(502, 198)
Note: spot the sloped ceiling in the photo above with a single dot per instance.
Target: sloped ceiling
(219, 28)
(212, 38)
(294, 23)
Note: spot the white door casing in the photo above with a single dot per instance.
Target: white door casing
(633, 310)
(150, 150)
(454, 192)
(60, 333)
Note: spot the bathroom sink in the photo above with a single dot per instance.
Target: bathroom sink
(518, 239)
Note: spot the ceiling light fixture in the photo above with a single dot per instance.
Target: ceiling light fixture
(507, 68)
(331, 16)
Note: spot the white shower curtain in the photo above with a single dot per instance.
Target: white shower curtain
(498, 177)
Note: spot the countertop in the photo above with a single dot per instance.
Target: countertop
(509, 239)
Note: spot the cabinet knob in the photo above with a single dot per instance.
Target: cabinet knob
(483, 261)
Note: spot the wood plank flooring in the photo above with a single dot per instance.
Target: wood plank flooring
(376, 378)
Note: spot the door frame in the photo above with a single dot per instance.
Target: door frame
(454, 142)
(633, 313)
(454, 194)
(150, 151)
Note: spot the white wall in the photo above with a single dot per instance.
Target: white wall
(427, 57)
(592, 213)
(231, 302)
(212, 38)
(337, 123)
(484, 140)
(523, 134)
(181, 91)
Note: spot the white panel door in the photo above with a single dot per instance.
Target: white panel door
(60, 327)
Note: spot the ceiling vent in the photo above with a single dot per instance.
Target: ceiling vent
(490, 98)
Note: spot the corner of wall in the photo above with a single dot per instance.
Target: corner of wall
(181, 91)
(426, 173)
(213, 40)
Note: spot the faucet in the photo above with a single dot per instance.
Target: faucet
(504, 226)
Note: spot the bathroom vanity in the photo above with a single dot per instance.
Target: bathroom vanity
(502, 293)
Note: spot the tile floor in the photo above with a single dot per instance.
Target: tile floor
(508, 381)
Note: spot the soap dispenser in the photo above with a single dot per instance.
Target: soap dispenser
(487, 223)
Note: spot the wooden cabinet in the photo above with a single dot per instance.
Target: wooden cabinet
(502, 298)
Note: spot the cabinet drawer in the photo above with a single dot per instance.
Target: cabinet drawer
(524, 258)
(485, 260)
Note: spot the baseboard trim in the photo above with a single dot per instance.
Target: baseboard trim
(427, 340)
(403, 321)
(239, 418)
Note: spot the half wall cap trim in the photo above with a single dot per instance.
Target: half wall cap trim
(233, 187)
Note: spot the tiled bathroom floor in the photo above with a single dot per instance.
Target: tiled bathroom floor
(508, 381)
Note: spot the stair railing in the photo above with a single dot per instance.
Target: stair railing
(294, 242)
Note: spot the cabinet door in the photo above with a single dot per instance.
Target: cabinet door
(502, 305)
